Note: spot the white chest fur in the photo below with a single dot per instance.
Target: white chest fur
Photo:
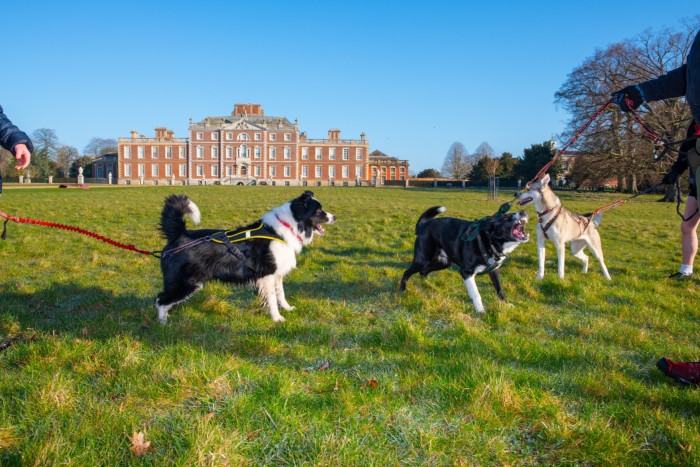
(285, 258)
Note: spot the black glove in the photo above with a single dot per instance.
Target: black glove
(628, 98)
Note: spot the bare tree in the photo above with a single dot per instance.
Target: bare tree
(65, 155)
(100, 146)
(618, 145)
(485, 155)
(458, 162)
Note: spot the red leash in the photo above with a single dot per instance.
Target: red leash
(23, 220)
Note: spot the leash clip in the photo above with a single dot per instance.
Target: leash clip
(660, 149)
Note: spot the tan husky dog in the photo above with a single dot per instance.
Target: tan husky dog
(562, 226)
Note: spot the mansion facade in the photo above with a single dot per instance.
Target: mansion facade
(245, 148)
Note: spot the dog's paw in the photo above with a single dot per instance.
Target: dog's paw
(278, 319)
(288, 307)
(539, 277)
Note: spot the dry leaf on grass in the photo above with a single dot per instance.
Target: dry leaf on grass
(372, 384)
(139, 445)
(208, 417)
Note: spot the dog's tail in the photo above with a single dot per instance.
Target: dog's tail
(429, 215)
(172, 222)
(596, 219)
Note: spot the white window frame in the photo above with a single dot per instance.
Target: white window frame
(331, 154)
(127, 170)
(273, 153)
(318, 153)
(287, 153)
(305, 153)
(199, 136)
(319, 171)
(304, 171)
(168, 170)
(182, 152)
(141, 152)
(358, 154)
(127, 152)
(287, 171)
(214, 152)
(200, 152)
(183, 170)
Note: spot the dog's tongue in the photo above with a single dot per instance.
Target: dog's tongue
(319, 229)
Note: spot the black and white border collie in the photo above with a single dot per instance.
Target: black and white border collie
(189, 260)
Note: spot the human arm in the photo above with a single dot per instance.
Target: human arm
(11, 137)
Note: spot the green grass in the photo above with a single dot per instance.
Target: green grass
(563, 374)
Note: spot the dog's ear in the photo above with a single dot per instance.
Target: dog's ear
(306, 196)
(545, 180)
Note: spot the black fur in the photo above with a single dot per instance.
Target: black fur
(187, 263)
(445, 241)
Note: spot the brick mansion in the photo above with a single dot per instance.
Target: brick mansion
(248, 147)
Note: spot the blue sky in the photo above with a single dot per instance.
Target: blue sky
(414, 76)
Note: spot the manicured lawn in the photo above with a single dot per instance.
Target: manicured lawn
(359, 373)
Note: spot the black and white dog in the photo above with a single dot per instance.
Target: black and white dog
(475, 247)
(261, 253)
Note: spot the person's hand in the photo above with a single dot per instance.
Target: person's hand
(628, 99)
(22, 155)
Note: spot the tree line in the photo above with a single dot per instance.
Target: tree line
(51, 158)
(614, 147)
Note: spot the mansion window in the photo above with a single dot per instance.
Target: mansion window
(273, 171)
(243, 151)
(318, 154)
(229, 136)
(358, 154)
(273, 136)
(273, 153)
(127, 152)
(214, 136)
(154, 170)
(287, 153)
(243, 137)
(319, 171)
(200, 135)
(168, 170)
(305, 153)
(200, 152)
(154, 152)
(229, 152)
(183, 170)
(331, 154)
(346, 154)
(142, 170)
(287, 171)
(257, 152)
(182, 152)
(214, 170)
(304, 171)
(141, 151)
(127, 170)
(214, 152)
(287, 137)
(346, 171)
(200, 170)
(168, 152)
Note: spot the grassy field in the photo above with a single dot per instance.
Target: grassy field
(359, 373)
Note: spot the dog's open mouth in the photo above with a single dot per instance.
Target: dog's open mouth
(519, 230)
(524, 201)
(318, 228)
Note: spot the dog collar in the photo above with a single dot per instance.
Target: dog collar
(291, 229)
